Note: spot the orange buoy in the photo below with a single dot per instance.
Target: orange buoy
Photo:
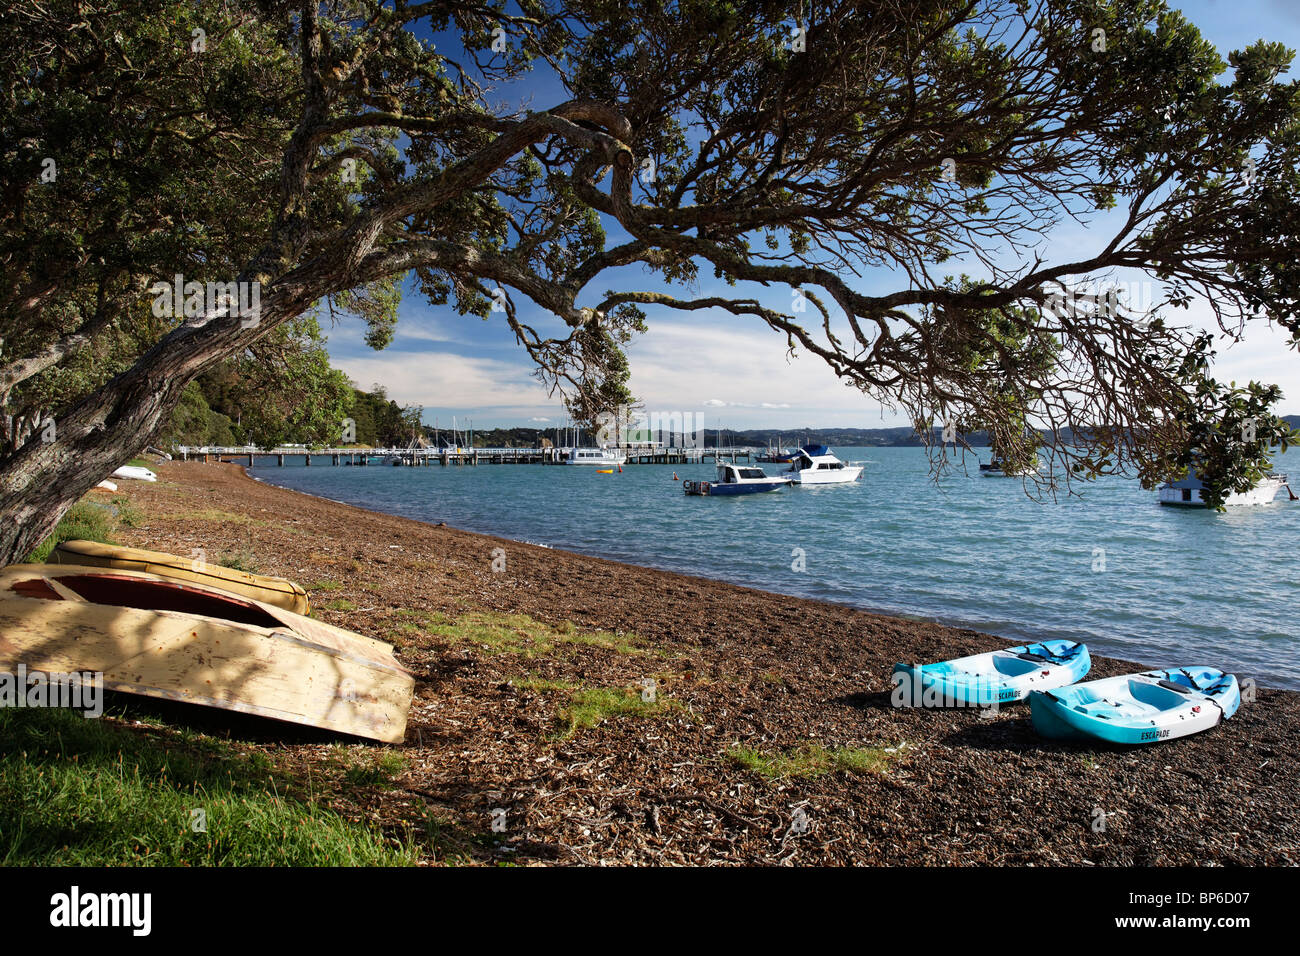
(675, 478)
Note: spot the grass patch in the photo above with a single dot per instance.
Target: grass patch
(528, 637)
(367, 767)
(585, 707)
(239, 561)
(85, 792)
(590, 706)
(339, 604)
(811, 759)
(85, 520)
(325, 585)
(127, 513)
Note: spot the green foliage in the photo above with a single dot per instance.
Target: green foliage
(84, 521)
(194, 422)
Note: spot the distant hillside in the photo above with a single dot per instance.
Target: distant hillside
(901, 436)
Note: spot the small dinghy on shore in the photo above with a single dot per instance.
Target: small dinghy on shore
(184, 641)
(1141, 708)
(998, 677)
(138, 472)
(280, 592)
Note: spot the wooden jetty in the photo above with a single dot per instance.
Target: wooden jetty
(642, 453)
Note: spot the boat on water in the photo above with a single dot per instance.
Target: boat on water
(169, 639)
(1144, 708)
(998, 468)
(1189, 492)
(600, 457)
(280, 592)
(777, 456)
(817, 465)
(733, 479)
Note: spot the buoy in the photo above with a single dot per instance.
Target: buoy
(675, 478)
(604, 471)
(620, 469)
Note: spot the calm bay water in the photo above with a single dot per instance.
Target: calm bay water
(1163, 586)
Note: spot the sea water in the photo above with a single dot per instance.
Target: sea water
(1109, 566)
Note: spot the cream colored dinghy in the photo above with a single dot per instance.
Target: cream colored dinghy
(159, 637)
(280, 592)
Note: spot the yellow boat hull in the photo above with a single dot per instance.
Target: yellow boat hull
(280, 592)
(160, 637)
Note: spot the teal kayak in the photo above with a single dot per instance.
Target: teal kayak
(1144, 708)
(998, 677)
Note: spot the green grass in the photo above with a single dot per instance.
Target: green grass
(811, 759)
(85, 792)
(593, 705)
(127, 513)
(339, 604)
(585, 707)
(367, 767)
(241, 561)
(325, 585)
(528, 637)
(85, 520)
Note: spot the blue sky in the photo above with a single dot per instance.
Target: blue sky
(733, 370)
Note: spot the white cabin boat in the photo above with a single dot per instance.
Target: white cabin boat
(816, 465)
(601, 457)
(1188, 492)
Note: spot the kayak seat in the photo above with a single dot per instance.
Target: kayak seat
(1160, 695)
(1016, 666)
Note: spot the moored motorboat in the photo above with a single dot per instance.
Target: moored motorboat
(733, 479)
(1189, 492)
(280, 592)
(600, 457)
(1141, 708)
(817, 465)
(159, 637)
(777, 456)
(998, 468)
(996, 677)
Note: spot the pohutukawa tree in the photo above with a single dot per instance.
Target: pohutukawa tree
(327, 151)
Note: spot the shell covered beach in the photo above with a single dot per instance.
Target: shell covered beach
(573, 710)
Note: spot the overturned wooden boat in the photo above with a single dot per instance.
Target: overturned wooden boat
(280, 592)
(184, 641)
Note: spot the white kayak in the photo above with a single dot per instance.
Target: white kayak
(997, 677)
(135, 471)
(1144, 708)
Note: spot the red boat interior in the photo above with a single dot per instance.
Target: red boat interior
(117, 591)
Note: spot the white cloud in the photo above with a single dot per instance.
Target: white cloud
(683, 365)
(447, 380)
